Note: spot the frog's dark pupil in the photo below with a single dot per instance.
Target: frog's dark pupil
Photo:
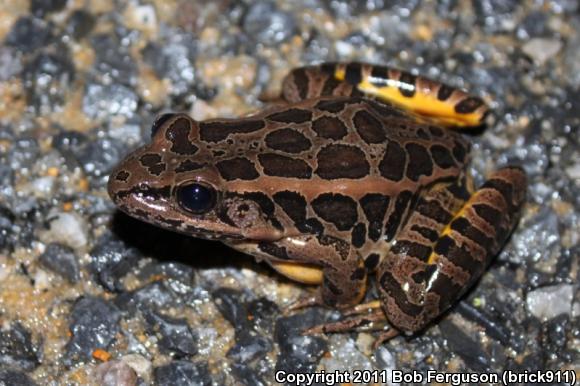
(159, 121)
(196, 198)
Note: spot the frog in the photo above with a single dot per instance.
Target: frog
(357, 170)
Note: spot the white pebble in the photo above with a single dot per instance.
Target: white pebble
(542, 49)
(548, 302)
(145, 16)
(345, 355)
(4, 269)
(139, 363)
(41, 280)
(115, 373)
(43, 187)
(67, 228)
(574, 171)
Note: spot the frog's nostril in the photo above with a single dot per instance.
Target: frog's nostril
(149, 192)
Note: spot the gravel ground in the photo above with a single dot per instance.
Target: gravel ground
(90, 296)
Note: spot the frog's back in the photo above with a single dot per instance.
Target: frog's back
(363, 144)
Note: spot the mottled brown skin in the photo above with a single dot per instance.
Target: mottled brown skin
(339, 182)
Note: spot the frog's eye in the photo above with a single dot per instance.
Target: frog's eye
(160, 121)
(196, 198)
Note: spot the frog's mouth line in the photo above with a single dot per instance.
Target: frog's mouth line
(144, 191)
(148, 196)
(179, 226)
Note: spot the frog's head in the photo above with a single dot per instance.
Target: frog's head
(176, 182)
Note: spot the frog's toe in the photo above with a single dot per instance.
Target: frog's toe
(385, 336)
(369, 321)
(362, 308)
(310, 300)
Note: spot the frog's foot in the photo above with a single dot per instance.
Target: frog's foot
(366, 317)
(362, 308)
(311, 300)
(375, 320)
(385, 336)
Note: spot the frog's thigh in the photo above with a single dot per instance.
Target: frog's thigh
(446, 105)
(275, 254)
(300, 272)
(324, 260)
(443, 250)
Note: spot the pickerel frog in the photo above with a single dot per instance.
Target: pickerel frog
(357, 173)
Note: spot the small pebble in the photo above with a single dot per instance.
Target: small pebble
(80, 24)
(111, 260)
(555, 334)
(115, 373)
(347, 356)
(460, 343)
(247, 376)
(128, 133)
(496, 15)
(24, 152)
(113, 62)
(534, 25)
(46, 78)
(179, 272)
(103, 101)
(7, 229)
(542, 49)
(301, 354)
(156, 295)
(539, 241)
(66, 228)
(174, 60)
(43, 7)
(572, 58)
(17, 349)
(10, 63)
(10, 377)
(548, 302)
(574, 171)
(141, 17)
(385, 359)
(182, 373)
(176, 337)
(230, 303)
(98, 158)
(140, 364)
(249, 347)
(61, 260)
(267, 24)
(28, 34)
(70, 143)
(263, 314)
(94, 324)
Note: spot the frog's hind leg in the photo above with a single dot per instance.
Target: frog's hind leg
(444, 248)
(444, 105)
(433, 211)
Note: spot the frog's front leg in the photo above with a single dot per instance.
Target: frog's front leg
(324, 260)
(426, 271)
